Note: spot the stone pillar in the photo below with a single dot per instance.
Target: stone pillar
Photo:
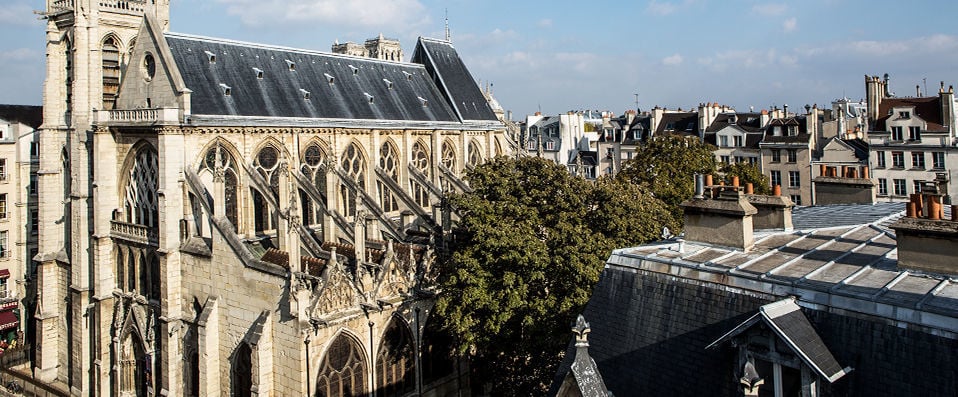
(282, 227)
(171, 202)
(208, 329)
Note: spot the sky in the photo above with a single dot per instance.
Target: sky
(561, 55)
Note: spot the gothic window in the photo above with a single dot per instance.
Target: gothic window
(135, 377)
(120, 270)
(395, 365)
(230, 179)
(130, 271)
(154, 266)
(475, 154)
(111, 72)
(498, 147)
(314, 169)
(68, 74)
(449, 156)
(141, 199)
(388, 162)
(420, 160)
(355, 167)
(342, 373)
(266, 164)
(241, 381)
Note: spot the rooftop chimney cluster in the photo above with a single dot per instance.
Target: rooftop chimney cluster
(927, 241)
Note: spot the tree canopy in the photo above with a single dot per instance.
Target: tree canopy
(748, 173)
(529, 247)
(666, 165)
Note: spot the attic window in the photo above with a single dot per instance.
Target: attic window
(211, 56)
(259, 73)
(354, 69)
(291, 64)
(329, 78)
(408, 75)
(424, 102)
(389, 84)
(305, 94)
(227, 90)
(368, 97)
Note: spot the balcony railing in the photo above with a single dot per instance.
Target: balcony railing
(126, 5)
(138, 116)
(61, 5)
(134, 233)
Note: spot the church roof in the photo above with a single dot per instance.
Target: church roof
(271, 81)
(442, 61)
(28, 115)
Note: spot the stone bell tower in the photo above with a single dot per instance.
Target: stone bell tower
(88, 47)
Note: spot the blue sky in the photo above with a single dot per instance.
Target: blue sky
(568, 55)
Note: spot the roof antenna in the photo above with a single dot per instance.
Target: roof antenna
(448, 35)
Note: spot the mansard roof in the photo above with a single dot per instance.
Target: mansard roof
(28, 115)
(681, 123)
(443, 63)
(928, 108)
(271, 81)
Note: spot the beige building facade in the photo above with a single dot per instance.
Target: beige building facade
(243, 219)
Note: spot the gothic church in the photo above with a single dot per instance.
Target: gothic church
(227, 218)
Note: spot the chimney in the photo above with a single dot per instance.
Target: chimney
(927, 242)
(725, 221)
(947, 100)
(774, 212)
(843, 188)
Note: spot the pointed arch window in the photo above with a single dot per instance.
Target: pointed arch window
(355, 167)
(68, 75)
(314, 169)
(266, 164)
(140, 202)
(241, 375)
(449, 156)
(420, 160)
(388, 162)
(475, 154)
(110, 53)
(395, 365)
(134, 366)
(230, 179)
(342, 373)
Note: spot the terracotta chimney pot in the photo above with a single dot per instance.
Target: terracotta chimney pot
(735, 181)
(954, 213)
(865, 172)
(910, 210)
(822, 169)
(708, 180)
(749, 189)
(934, 208)
(777, 190)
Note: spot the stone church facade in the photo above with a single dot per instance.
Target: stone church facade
(226, 218)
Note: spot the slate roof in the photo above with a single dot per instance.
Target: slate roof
(682, 123)
(338, 86)
(859, 146)
(442, 60)
(928, 108)
(785, 318)
(802, 136)
(28, 115)
(748, 122)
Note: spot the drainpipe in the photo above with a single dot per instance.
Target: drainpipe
(418, 354)
(372, 367)
(308, 380)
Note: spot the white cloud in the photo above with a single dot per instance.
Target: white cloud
(661, 8)
(20, 55)
(396, 15)
(19, 14)
(673, 60)
(769, 9)
(790, 24)
(545, 23)
(939, 44)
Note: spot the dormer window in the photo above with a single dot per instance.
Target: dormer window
(408, 75)
(792, 130)
(777, 131)
(210, 56)
(329, 78)
(354, 69)
(259, 73)
(305, 94)
(368, 97)
(904, 115)
(291, 65)
(227, 90)
(389, 84)
(670, 127)
(423, 101)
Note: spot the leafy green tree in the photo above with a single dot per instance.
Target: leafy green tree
(747, 173)
(531, 242)
(666, 166)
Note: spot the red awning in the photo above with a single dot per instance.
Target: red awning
(4, 273)
(8, 320)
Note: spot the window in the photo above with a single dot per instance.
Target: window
(531, 145)
(777, 131)
(753, 160)
(723, 141)
(882, 187)
(898, 159)
(918, 160)
(914, 133)
(34, 221)
(796, 198)
(896, 133)
(738, 141)
(776, 155)
(3, 244)
(938, 160)
(33, 184)
(3, 206)
(917, 186)
(739, 159)
(726, 159)
(792, 155)
(3, 169)
(34, 149)
(776, 178)
(880, 158)
(792, 130)
(794, 179)
(610, 153)
(670, 126)
(904, 115)
(550, 145)
(900, 187)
